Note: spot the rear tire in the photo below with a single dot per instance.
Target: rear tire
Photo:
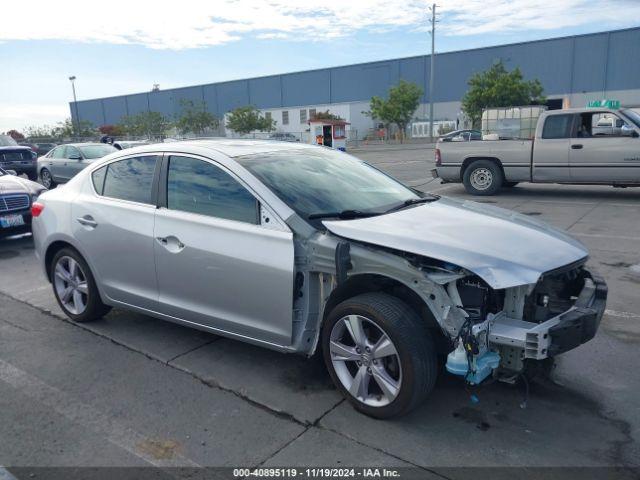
(379, 382)
(482, 177)
(46, 179)
(75, 288)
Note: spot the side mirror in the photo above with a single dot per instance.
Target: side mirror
(627, 131)
(12, 172)
(75, 157)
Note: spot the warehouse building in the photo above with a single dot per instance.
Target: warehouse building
(573, 71)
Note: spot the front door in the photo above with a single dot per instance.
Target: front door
(602, 151)
(216, 264)
(551, 150)
(73, 163)
(114, 225)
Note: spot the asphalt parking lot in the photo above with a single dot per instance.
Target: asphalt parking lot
(130, 390)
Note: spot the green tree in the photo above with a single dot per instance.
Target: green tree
(248, 119)
(149, 124)
(67, 129)
(194, 118)
(498, 87)
(399, 106)
(326, 115)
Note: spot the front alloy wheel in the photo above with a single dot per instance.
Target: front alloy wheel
(46, 179)
(365, 360)
(380, 354)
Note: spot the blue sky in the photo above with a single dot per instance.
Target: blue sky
(128, 49)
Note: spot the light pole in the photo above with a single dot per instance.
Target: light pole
(432, 69)
(72, 78)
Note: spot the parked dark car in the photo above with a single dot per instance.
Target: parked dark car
(44, 148)
(63, 162)
(18, 158)
(461, 136)
(16, 197)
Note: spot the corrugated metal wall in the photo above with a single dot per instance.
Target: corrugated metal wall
(597, 62)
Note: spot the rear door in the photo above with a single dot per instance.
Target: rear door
(604, 154)
(218, 265)
(551, 149)
(113, 220)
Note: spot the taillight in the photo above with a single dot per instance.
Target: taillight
(438, 158)
(36, 209)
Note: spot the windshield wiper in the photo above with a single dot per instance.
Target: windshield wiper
(413, 201)
(344, 214)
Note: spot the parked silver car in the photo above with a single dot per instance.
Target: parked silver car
(292, 246)
(65, 161)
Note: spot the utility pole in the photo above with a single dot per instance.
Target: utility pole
(432, 69)
(72, 78)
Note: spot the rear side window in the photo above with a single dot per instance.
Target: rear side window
(130, 179)
(557, 126)
(97, 178)
(199, 187)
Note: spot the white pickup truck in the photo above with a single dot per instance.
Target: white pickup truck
(574, 146)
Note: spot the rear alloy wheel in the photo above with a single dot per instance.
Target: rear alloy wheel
(379, 354)
(482, 177)
(74, 287)
(46, 179)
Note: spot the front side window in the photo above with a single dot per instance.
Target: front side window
(58, 152)
(200, 187)
(557, 126)
(313, 181)
(130, 179)
(91, 152)
(72, 152)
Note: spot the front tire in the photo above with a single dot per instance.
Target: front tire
(46, 179)
(482, 177)
(380, 354)
(75, 288)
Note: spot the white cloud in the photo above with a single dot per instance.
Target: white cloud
(202, 23)
(25, 115)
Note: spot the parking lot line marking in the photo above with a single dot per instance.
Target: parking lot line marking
(601, 235)
(615, 313)
(87, 416)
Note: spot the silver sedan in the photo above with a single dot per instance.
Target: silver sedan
(292, 246)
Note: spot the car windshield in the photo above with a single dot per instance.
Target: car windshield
(633, 116)
(317, 181)
(7, 141)
(96, 151)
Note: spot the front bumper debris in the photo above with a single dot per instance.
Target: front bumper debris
(559, 334)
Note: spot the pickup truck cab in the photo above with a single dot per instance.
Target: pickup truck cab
(590, 146)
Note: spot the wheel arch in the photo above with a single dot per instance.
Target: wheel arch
(375, 282)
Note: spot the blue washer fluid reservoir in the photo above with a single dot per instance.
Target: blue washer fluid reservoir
(482, 365)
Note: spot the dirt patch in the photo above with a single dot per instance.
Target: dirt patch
(159, 449)
(473, 416)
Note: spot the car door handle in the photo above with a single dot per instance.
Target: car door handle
(576, 146)
(171, 243)
(87, 221)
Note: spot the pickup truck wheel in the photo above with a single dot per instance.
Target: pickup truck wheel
(380, 354)
(482, 177)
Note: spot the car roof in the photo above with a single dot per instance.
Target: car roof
(226, 146)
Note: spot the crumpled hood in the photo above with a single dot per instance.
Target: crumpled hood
(504, 248)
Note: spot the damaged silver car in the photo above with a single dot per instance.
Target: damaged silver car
(301, 248)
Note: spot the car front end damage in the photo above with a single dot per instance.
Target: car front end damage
(505, 290)
(506, 330)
